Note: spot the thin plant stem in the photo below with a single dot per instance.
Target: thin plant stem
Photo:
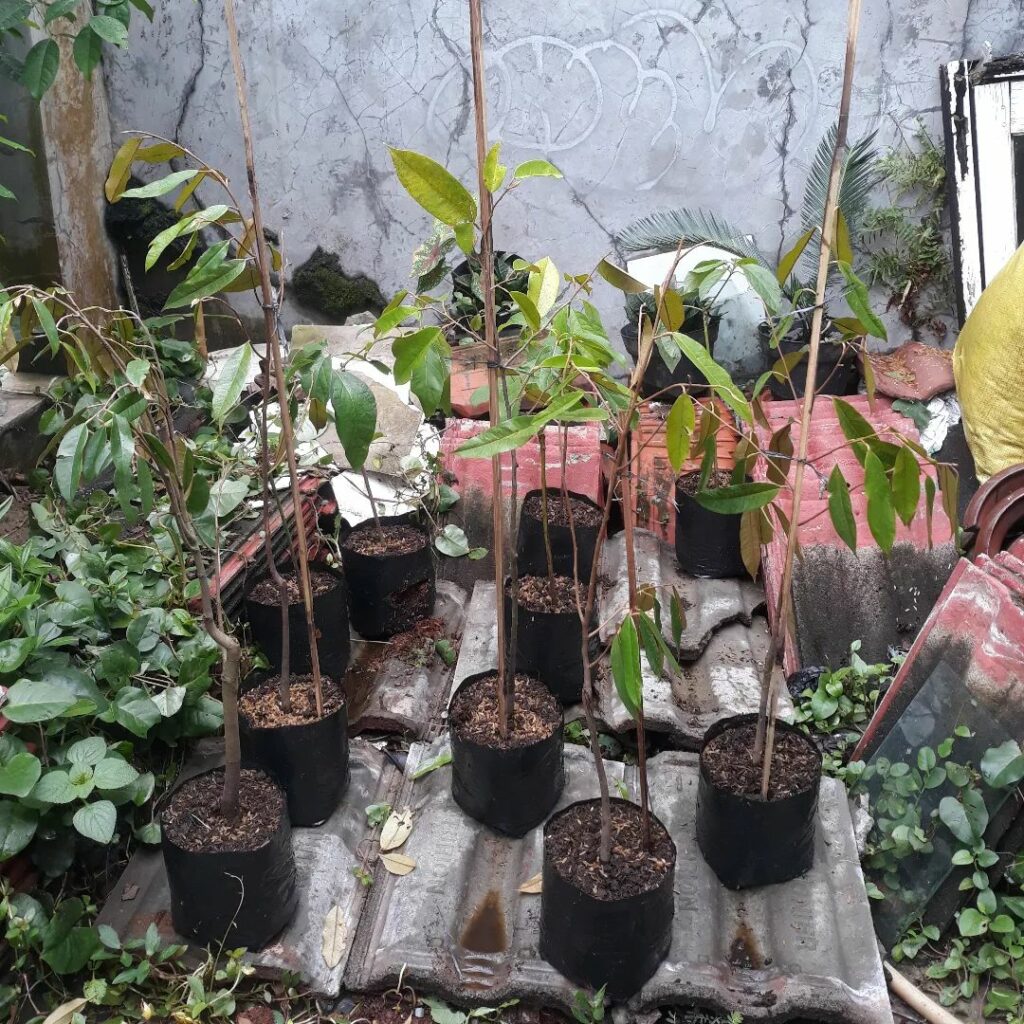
(765, 739)
(271, 325)
(369, 495)
(507, 673)
(542, 442)
(491, 340)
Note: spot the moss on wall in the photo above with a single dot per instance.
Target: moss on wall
(322, 285)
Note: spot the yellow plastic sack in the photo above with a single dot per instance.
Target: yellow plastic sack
(988, 363)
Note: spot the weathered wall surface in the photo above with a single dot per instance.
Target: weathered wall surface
(714, 103)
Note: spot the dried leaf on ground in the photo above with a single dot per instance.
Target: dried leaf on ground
(396, 830)
(335, 937)
(397, 863)
(532, 885)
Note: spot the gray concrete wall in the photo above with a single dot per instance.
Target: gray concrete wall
(714, 103)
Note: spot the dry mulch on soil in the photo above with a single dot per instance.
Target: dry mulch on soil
(583, 513)
(262, 709)
(418, 646)
(193, 820)
(553, 595)
(536, 713)
(388, 540)
(689, 483)
(573, 842)
(320, 582)
(728, 760)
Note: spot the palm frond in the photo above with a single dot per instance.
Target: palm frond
(665, 229)
(861, 174)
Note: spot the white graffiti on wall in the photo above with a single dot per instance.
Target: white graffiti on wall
(615, 97)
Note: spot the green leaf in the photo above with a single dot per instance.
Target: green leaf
(526, 306)
(14, 652)
(953, 815)
(452, 541)
(464, 237)
(96, 821)
(854, 426)
(60, 9)
(515, 431)
(438, 192)
(494, 170)
(17, 827)
(542, 289)
(1003, 765)
(40, 68)
(355, 415)
(87, 51)
(840, 508)
(445, 757)
(906, 484)
(46, 321)
(678, 430)
(411, 349)
(113, 773)
(881, 514)
(431, 379)
(211, 274)
(110, 30)
(37, 700)
(764, 284)
(789, 261)
(55, 788)
(160, 187)
(189, 224)
(231, 380)
(618, 278)
(170, 700)
(859, 301)
(625, 663)
(738, 498)
(20, 774)
(536, 169)
(970, 922)
(136, 371)
(89, 751)
(716, 376)
(134, 709)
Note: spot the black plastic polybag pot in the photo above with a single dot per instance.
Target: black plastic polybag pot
(330, 616)
(837, 373)
(548, 647)
(510, 791)
(707, 543)
(388, 593)
(658, 376)
(531, 558)
(309, 761)
(594, 942)
(748, 841)
(238, 898)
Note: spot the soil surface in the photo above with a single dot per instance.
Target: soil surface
(544, 594)
(418, 646)
(16, 525)
(262, 710)
(689, 483)
(388, 540)
(387, 1008)
(194, 822)
(583, 513)
(796, 764)
(320, 582)
(536, 713)
(573, 843)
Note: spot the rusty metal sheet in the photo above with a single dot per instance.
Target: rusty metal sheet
(388, 695)
(324, 857)
(458, 925)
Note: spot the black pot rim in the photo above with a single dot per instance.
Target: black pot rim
(738, 721)
(401, 520)
(283, 821)
(318, 566)
(557, 491)
(473, 745)
(596, 802)
(544, 616)
(293, 729)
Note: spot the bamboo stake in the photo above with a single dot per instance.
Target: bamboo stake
(765, 742)
(918, 1000)
(491, 339)
(273, 346)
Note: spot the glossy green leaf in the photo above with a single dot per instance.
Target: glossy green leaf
(160, 187)
(679, 425)
(1003, 765)
(438, 192)
(840, 508)
(231, 381)
(494, 170)
(906, 485)
(109, 29)
(39, 71)
(17, 827)
(114, 773)
(37, 700)
(736, 499)
(188, 224)
(625, 665)
(716, 376)
(881, 513)
(789, 261)
(212, 273)
(355, 415)
(87, 51)
(858, 299)
(19, 775)
(537, 169)
(411, 349)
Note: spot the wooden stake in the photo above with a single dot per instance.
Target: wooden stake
(765, 742)
(476, 46)
(270, 324)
